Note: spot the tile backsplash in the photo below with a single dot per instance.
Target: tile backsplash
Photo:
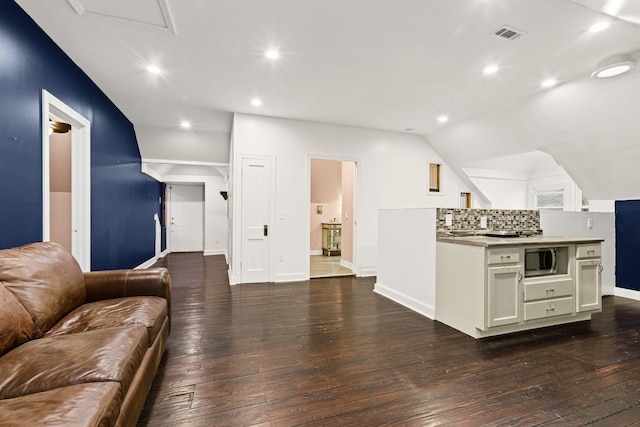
(497, 219)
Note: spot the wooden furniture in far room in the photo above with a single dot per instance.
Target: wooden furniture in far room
(331, 238)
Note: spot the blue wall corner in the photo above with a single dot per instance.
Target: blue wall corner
(123, 199)
(627, 244)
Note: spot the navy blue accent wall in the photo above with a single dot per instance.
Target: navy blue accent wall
(123, 200)
(628, 244)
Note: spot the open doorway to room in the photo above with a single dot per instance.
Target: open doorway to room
(331, 218)
(66, 178)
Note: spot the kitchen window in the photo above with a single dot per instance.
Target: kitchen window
(549, 198)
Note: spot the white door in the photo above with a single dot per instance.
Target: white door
(256, 218)
(187, 218)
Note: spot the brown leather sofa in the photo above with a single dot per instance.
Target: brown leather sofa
(77, 349)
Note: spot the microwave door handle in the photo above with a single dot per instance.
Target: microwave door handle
(554, 266)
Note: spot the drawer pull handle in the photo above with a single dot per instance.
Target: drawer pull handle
(591, 251)
(551, 309)
(551, 290)
(505, 256)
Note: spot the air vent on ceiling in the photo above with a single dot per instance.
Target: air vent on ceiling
(508, 33)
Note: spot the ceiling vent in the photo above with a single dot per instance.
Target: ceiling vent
(508, 33)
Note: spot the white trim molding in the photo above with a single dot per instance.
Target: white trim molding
(405, 300)
(627, 293)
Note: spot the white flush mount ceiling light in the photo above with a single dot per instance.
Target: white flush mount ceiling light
(256, 102)
(185, 124)
(614, 65)
(443, 119)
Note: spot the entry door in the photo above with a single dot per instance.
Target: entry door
(256, 227)
(187, 218)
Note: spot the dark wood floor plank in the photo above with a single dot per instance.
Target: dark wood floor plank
(331, 352)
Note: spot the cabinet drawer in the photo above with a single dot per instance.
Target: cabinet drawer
(548, 308)
(588, 251)
(550, 289)
(503, 256)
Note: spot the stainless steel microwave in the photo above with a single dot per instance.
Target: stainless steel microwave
(540, 262)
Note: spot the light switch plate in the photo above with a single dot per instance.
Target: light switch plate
(448, 219)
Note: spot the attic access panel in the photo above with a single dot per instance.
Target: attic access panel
(145, 14)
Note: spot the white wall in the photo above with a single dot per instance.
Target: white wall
(407, 252)
(391, 172)
(215, 211)
(574, 224)
(182, 145)
(504, 189)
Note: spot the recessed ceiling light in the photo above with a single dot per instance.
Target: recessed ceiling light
(256, 102)
(443, 119)
(185, 124)
(599, 26)
(154, 69)
(549, 83)
(272, 54)
(490, 69)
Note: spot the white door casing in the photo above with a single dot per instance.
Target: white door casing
(186, 218)
(256, 227)
(80, 177)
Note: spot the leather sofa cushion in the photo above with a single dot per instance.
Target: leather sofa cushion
(46, 279)
(16, 324)
(149, 312)
(47, 363)
(93, 404)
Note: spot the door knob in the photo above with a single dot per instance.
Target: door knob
(266, 230)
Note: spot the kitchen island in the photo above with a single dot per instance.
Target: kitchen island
(487, 286)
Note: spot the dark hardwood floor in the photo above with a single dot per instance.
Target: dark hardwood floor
(330, 352)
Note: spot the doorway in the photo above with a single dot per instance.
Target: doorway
(186, 218)
(332, 225)
(71, 218)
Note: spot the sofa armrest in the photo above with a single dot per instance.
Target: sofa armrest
(110, 284)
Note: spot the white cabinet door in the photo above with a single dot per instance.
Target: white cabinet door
(504, 296)
(588, 284)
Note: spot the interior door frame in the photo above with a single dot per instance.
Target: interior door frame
(80, 177)
(354, 214)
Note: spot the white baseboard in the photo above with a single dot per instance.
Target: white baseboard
(627, 293)
(346, 264)
(405, 300)
(147, 263)
(291, 277)
(315, 252)
(367, 272)
(215, 252)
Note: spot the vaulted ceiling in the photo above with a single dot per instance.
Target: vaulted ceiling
(395, 65)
